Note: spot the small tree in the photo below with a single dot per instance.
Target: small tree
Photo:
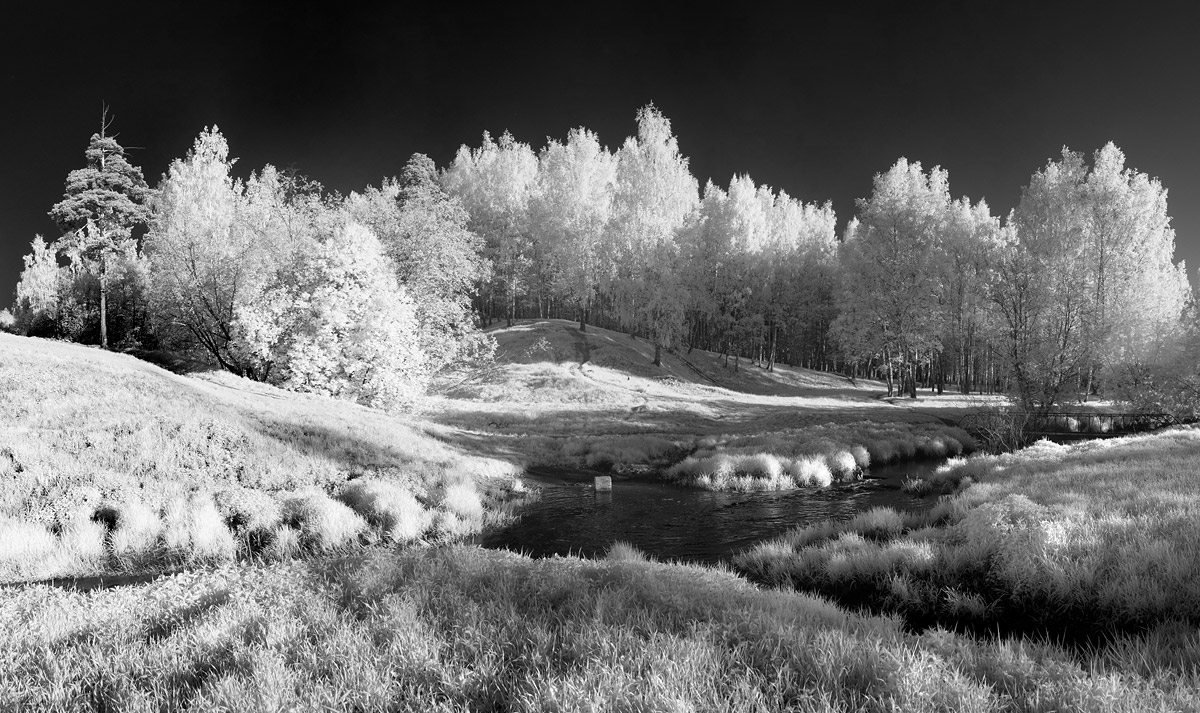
(37, 291)
(102, 204)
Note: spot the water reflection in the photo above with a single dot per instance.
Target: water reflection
(674, 523)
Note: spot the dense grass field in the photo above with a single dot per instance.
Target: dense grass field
(458, 628)
(312, 560)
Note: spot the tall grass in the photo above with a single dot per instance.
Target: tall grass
(1076, 541)
(457, 628)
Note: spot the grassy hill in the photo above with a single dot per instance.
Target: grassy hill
(109, 463)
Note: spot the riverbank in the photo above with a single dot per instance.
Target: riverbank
(1077, 543)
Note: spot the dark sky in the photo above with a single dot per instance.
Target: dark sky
(814, 101)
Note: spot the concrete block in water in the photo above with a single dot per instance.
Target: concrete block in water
(603, 483)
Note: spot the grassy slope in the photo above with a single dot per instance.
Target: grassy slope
(558, 395)
(87, 435)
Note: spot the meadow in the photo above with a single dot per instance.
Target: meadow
(312, 559)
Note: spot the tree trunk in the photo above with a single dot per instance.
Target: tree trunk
(657, 354)
(771, 354)
(103, 304)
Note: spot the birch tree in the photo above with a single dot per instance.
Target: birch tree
(655, 196)
(495, 183)
(889, 268)
(571, 206)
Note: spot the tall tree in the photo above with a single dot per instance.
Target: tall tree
(205, 258)
(890, 280)
(437, 259)
(495, 183)
(655, 197)
(571, 206)
(102, 204)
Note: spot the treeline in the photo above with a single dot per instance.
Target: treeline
(626, 240)
(367, 296)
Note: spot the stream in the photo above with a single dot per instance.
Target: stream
(670, 522)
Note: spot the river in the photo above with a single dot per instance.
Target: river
(669, 522)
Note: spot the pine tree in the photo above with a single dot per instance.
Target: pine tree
(101, 205)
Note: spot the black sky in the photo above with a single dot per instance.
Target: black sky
(814, 101)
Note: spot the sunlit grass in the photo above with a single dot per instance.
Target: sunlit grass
(109, 463)
(1096, 537)
(458, 628)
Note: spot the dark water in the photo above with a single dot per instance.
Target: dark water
(670, 522)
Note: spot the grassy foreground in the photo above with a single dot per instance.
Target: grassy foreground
(458, 628)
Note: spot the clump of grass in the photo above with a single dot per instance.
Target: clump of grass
(193, 530)
(842, 465)
(323, 523)
(395, 510)
(810, 472)
(624, 552)
(136, 535)
(25, 548)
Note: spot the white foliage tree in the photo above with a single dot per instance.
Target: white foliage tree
(37, 289)
(495, 183)
(570, 209)
(204, 262)
(655, 197)
(336, 322)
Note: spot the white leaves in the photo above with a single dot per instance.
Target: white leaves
(336, 322)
